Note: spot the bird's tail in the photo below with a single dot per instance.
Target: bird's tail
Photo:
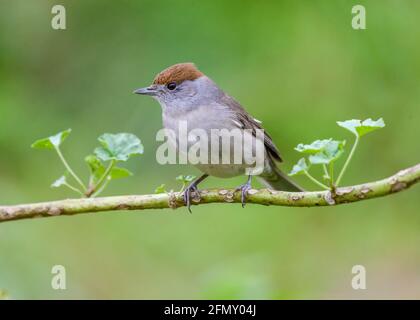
(277, 180)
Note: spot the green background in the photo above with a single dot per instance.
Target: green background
(297, 66)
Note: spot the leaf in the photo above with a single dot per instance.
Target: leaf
(185, 179)
(52, 141)
(300, 168)
(97, 169)
(161, 189)
(360, 128)
(119, 147)
(331, 152)
(59, 182)
(118, 173)
(322, 151)
(314, 147)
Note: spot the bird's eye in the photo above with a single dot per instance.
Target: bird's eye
(171, 85)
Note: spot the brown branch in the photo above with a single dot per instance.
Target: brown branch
(398, 182)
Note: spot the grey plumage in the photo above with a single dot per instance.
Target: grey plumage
(185, 94)
(272, 177)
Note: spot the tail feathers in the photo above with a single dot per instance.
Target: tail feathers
(277, 180)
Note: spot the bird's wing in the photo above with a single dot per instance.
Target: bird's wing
(248, 122)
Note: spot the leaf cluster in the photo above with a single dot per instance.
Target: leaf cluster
(327, 151)
(102, 164)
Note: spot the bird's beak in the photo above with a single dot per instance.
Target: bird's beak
(149, 91)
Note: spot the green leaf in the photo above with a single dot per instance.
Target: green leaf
(119, 147)
(161, 189)
(360, 128)
(97, 169)
(314, 147)
(118, 173)
(299, 168)
(322, 151)
(185, 179)
(331, 152)
(59, 182)
(52, 141)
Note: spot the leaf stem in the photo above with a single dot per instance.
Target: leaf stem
(108, 179)
(183, 187)
(316, 181)
(327, 175)
(356, 142)
(74, 189)
(106, 173)
(72, 173)
(331, 174)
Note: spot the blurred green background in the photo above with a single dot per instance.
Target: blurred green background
(297, 66)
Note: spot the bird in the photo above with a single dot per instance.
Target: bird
(187, 94)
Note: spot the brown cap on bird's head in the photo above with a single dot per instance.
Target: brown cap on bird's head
(171, 77)
(178, 73)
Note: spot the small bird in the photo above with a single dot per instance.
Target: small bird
(186, 94)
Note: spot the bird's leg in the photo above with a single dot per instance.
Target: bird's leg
(192, 187)
(244, 190)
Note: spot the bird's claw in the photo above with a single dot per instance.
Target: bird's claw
(187, 195)
(244, 190)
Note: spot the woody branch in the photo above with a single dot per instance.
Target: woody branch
(396, 183)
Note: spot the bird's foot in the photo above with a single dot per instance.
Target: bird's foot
(244, 191)
(192, 190)
(188, 193)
